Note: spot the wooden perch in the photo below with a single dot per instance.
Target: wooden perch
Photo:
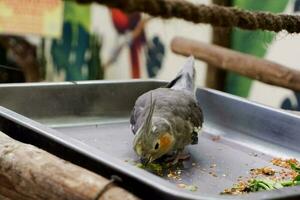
(24, 55)
(216, 77)
(247, 65)
(27, 172)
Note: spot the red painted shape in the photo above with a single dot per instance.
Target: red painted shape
(120, 20)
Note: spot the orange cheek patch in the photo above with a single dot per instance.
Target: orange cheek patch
(165, 141)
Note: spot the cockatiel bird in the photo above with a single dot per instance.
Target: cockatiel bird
(165, 120)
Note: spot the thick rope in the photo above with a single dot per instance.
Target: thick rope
(210, 14)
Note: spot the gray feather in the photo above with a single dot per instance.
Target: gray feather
(185, 79)
(147, 123)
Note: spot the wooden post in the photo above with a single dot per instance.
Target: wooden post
(24, 55)
(29, 173)
(215, 77)
(243, 64)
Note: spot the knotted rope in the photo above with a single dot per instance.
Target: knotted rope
(211, 14)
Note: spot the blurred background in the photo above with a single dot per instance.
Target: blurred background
(53, 40)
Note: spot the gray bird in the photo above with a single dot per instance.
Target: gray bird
(165, 120)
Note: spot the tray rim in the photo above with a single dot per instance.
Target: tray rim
(85, 82)
(105, 159)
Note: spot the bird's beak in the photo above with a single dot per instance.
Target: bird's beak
(146, 161)
(151, 159)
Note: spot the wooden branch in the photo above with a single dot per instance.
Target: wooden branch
(3, 197)
(247, 65)
(27, 172)
(24, 54)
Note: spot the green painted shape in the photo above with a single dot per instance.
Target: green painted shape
(77, 51)
(94, 64)
(78, 14)
(266, 5)
(251, 42)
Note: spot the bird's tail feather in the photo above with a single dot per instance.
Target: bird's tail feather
(185, 79)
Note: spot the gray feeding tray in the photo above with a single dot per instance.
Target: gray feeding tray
(87, 123)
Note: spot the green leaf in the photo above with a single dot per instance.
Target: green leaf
(277, 185)
(264, 186)
(287, 183)
(260, 185)
(297, 178)
(192, 188)
(140, 165)
(296, 182)
(295, 168)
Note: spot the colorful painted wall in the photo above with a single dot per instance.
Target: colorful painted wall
(108, 44)
(155, 58)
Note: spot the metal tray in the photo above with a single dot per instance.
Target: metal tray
(87, 124)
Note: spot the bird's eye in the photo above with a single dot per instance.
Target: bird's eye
(156, 146)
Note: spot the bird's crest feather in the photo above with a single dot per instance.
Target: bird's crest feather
(148, 121)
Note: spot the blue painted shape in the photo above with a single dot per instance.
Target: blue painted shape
(155, 56)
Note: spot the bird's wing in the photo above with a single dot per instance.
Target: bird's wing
(197, 121)
(138, 112)
(189, 120)
(135, 118)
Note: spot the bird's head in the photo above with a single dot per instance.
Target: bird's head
(154, 138)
